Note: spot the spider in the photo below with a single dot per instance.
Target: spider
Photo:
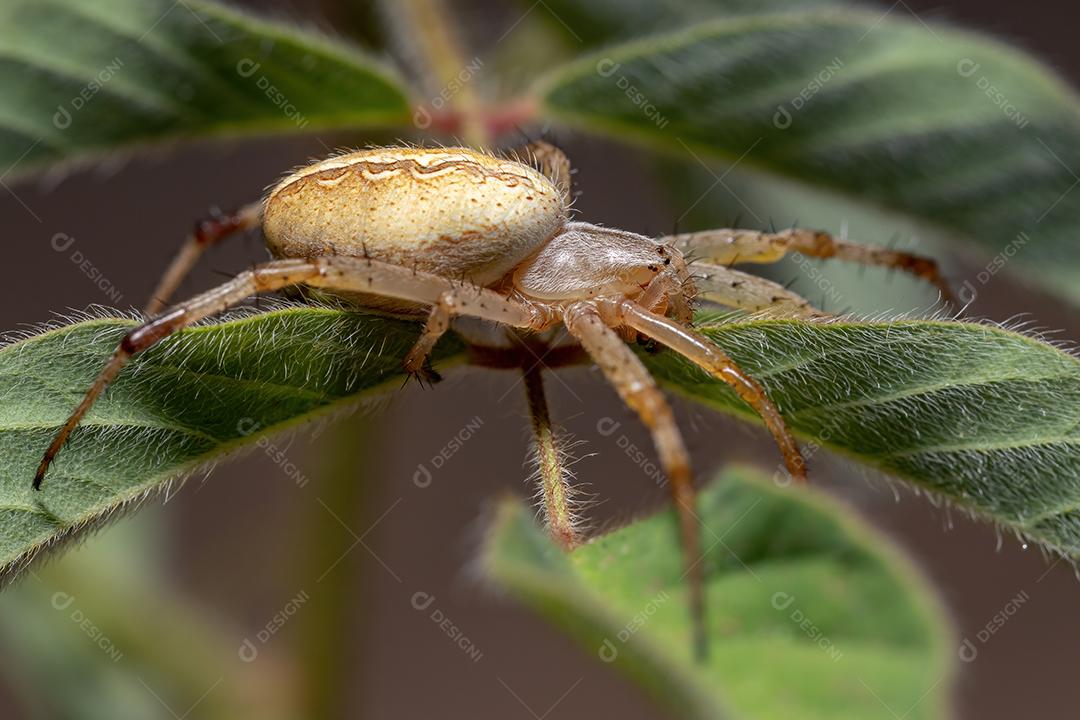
(447, 232)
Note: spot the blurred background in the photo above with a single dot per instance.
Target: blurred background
(266, 583)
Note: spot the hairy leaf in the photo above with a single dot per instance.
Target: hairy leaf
(184, 403)
(88, 77)
(794, 585)
(960, 132)
(983, 416)
(987, 418)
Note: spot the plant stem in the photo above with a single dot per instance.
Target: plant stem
(428, 30)
(330, 658)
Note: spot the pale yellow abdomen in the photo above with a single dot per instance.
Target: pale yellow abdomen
(451, 211)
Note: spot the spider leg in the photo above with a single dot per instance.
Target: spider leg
(209, 231)
(555, 487)
(733, 288)
(710, 358)
(460, 301)
(727, 247)
(331, 272)
(640, 392)
(437, 324)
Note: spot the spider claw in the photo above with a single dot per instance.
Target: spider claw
(648, 345)
(432, 375)
(426, 373)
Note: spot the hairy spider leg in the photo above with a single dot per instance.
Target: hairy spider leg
(728, 247)
(330, 272)
(450, 303)
(555, 487)
(637, 388)
(208, 232)
(736, 289)
(700, 351)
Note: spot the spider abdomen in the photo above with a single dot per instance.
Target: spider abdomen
(450, 211)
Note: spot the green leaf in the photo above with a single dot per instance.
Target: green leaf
(988, 418)
(985, 417)
(183, 404)
(809, 614)
(85, 78)
(963, 133)
(89, 633)
(594, 22)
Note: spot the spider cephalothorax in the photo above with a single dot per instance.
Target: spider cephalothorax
(447, 232)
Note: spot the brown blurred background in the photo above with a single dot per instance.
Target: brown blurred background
(229, 537)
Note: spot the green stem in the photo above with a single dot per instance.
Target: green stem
(429, 32)
(337, 615)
